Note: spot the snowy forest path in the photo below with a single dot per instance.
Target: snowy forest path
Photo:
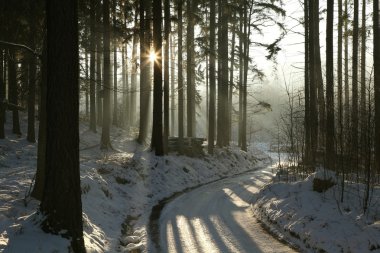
(218, 218)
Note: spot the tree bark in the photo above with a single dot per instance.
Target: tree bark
(13, 91)
(105, 139)
(115, 102)
(145, 73)
(2, 95)
(92, 67)
(166, 75)
(133, 90)
(354, 111)
(330, 127)
(190, 77)
(31, 136)
(211, 124)
(180, 80)
(222, 117)
(99, 86)
(62, 185)
(157, 140)
(307, 155)
(376, 59)
(321, 131)
(363, 110)
(231, 82)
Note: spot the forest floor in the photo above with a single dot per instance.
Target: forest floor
(119, 189)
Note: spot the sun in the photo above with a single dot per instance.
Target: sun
(152, 56)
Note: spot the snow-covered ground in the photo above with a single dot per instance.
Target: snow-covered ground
(319, 222)
(119, 189)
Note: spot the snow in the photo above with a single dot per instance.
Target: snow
(119, 189)
(318, 222)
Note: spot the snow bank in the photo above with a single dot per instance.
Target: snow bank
(318, 222)
(119, 189)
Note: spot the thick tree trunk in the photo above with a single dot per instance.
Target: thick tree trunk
(105, 139)
(211, 114)
(222, 117)
(157, 138)
(62, 185)
(145, 72)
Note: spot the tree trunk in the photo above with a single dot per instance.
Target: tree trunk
(2, 96)
(115, 105)
(247, 32)
(126, 119)
(105, 139)
(211, 114)
(13, 91)
(99, 101)
(166, 74)
(307, 155)
(321, 132)
(39, 185)
(86, 82)
(31, 136)
(313, 86)
(376, 60)
(330, 145)
(190, 77)
(172, 86)
(92, 67)
(133, 90)
(145, 73)
(241, 74)
(340, 94)
(180, 80)
(157, 138)
(354, 111)
(231, 83)
(363, 110)
(62, 188)
(222, 117)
